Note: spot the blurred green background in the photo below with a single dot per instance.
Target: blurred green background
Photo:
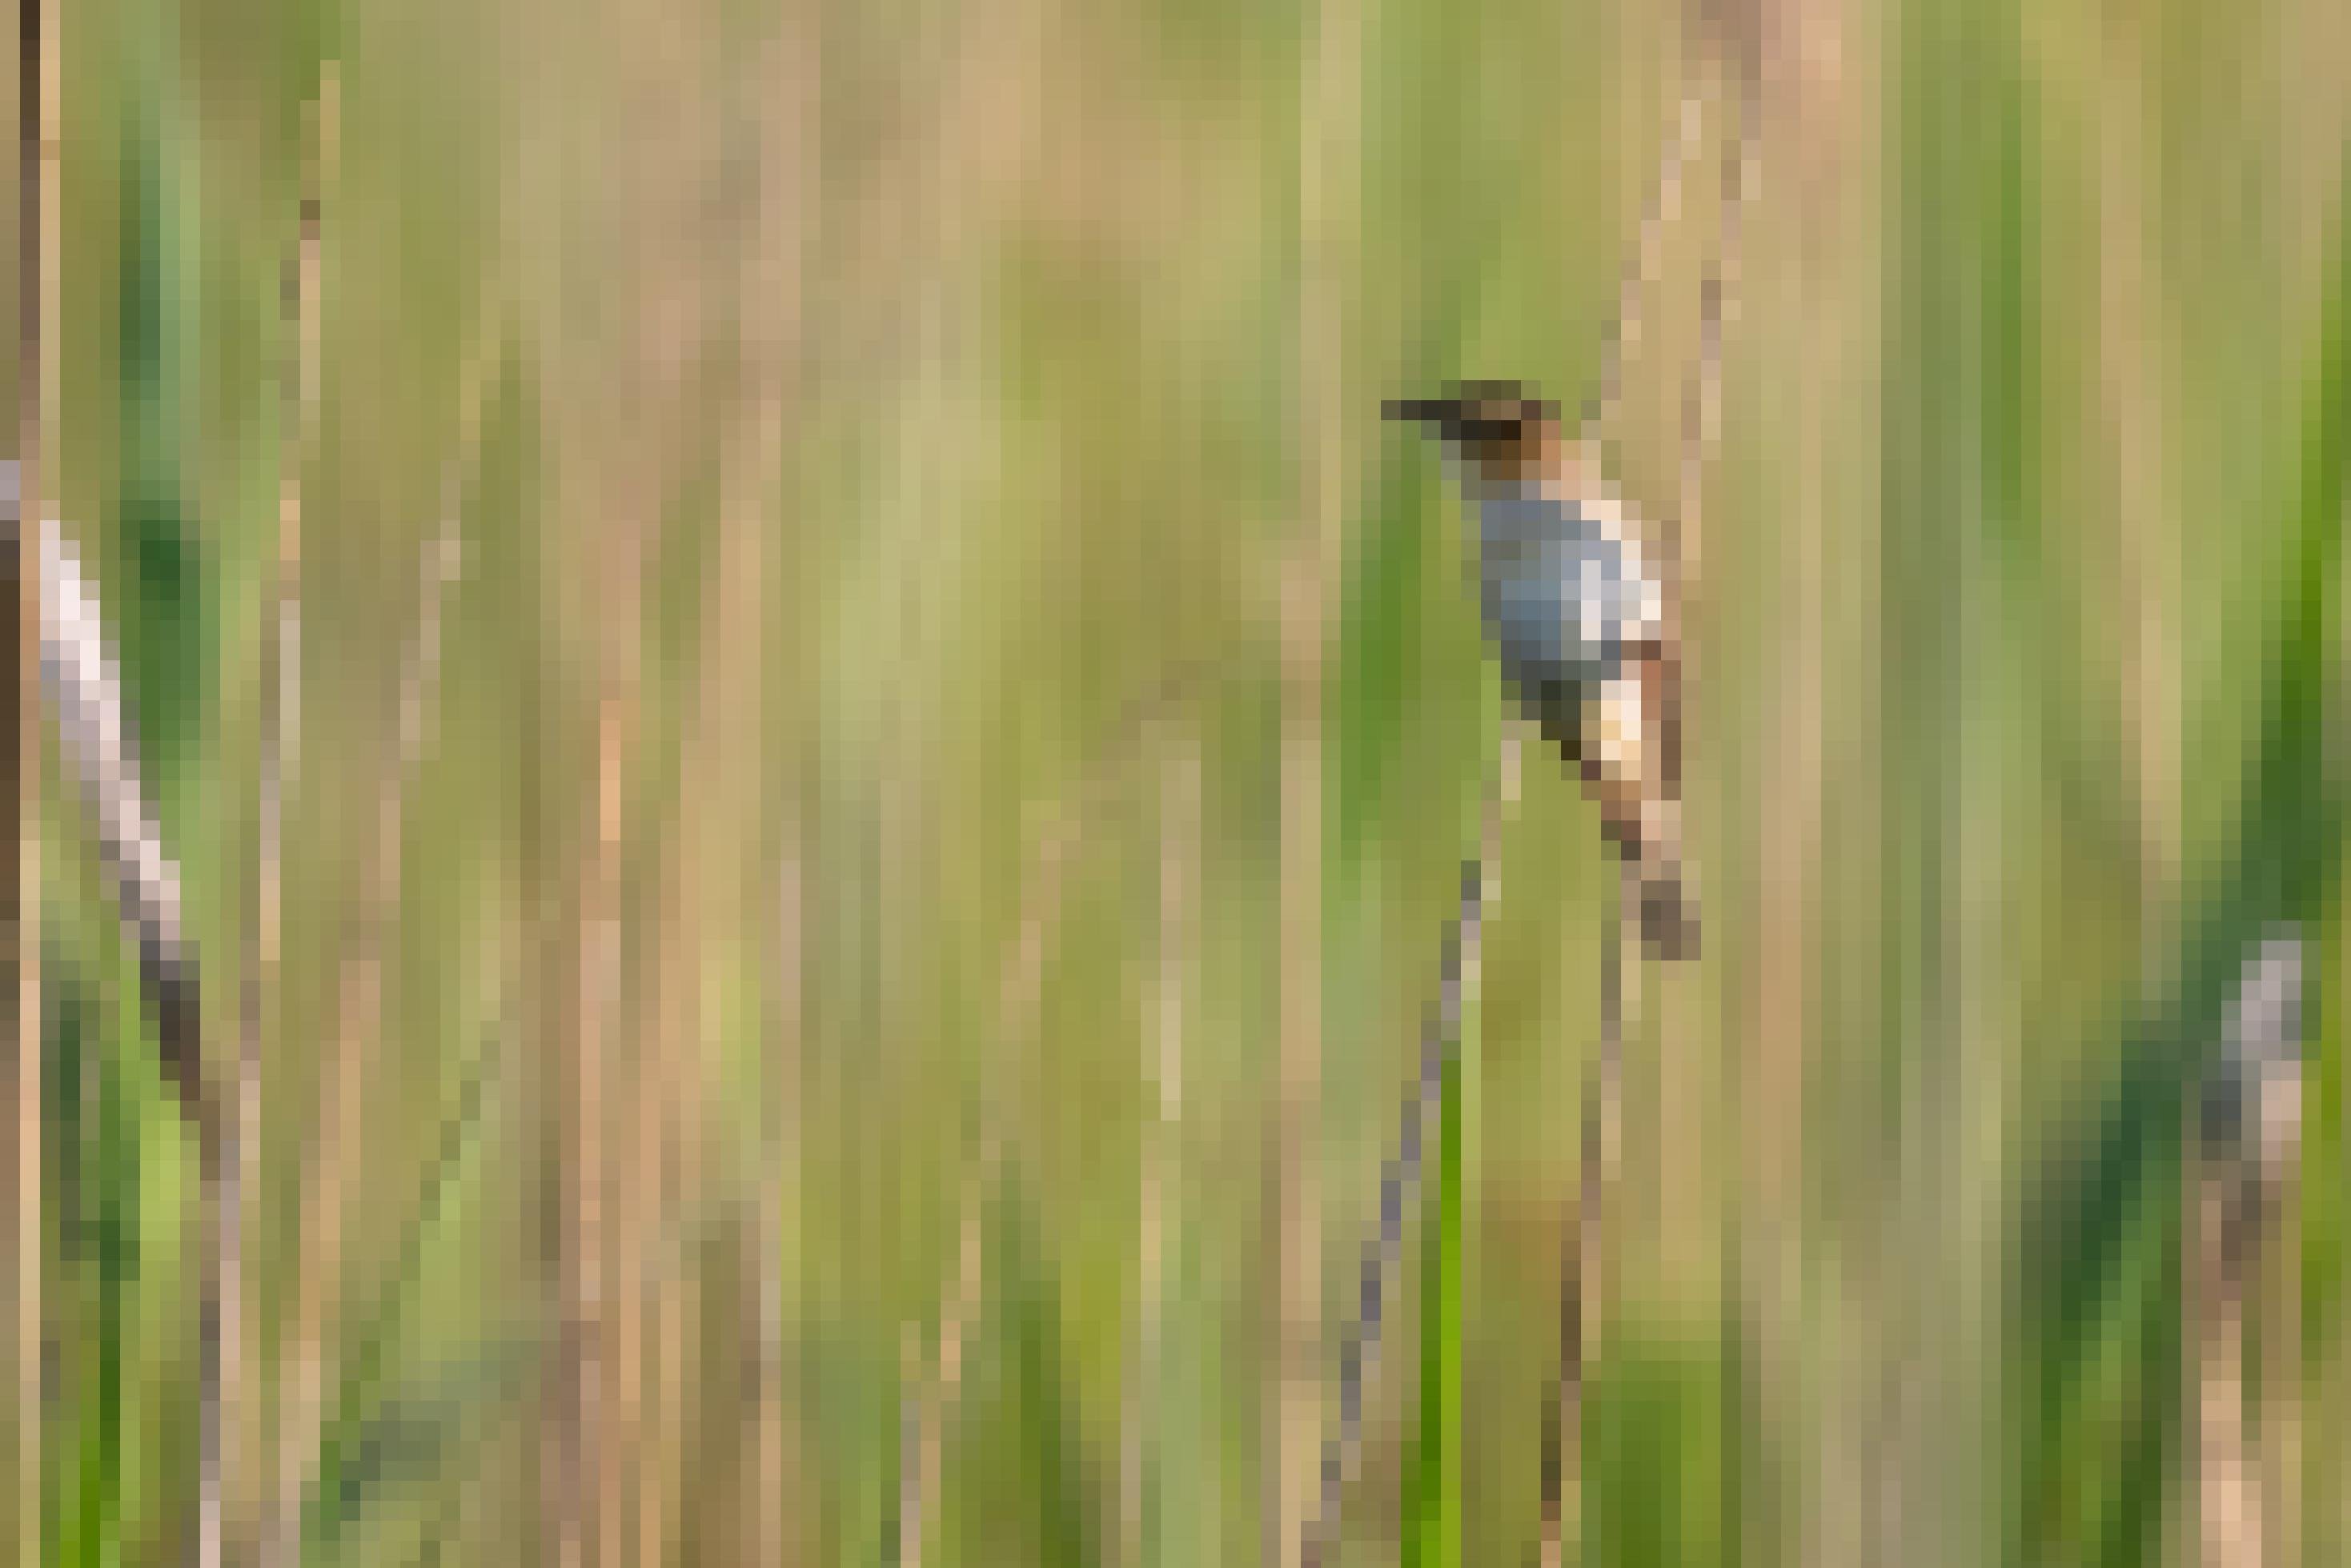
(878, 403)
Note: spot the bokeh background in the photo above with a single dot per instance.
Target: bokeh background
(927, 855)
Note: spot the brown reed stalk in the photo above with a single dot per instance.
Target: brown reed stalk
(1640, 273)
(616, 1173)
(790, 159)
(774, 275)
(1585, 1259)
(1156, 1213)
(592, 1494)
(1795, 37)
(1329, 151)
(631, 1176)
(656, 282)
(335, 1160)
(754, 231)
(37, 81)
(1717, 307)
(236, 1484)
(1294, 1189)
(667, 1096)
(773, 1476)
(618, 421)
(1585, 1251)
(720, 749)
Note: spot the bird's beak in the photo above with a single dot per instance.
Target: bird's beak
(1447, 418)
(1437, 411)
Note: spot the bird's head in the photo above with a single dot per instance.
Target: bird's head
(1499, 431)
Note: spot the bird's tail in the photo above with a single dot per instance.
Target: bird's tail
(1658, 878)
(1667, 908)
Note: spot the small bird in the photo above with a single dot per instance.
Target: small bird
(1588, 643)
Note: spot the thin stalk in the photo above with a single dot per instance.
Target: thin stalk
(779, 113)
(280, 723)
(669, 1094)
(931, 1401)
(1154, 1210)
(607, 1222)
(1433, 1530)
(1458, 968)
(1585, 1252)
(673, 1101)
(773, 1213)
(359, 1009)
(596, 1492)
(1329, 149)
(1641, 268)
(37, 127)
(1767, 1101)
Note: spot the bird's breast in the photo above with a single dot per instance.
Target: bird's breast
(1565, 589)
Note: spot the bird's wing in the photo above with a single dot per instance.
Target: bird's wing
(1615, 751)
(1631, 748)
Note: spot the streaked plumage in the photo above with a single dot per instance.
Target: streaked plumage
(1581, 622)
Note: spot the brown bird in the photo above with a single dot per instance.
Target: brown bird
(1589, 645)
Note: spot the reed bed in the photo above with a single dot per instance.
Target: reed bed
(902, 432)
